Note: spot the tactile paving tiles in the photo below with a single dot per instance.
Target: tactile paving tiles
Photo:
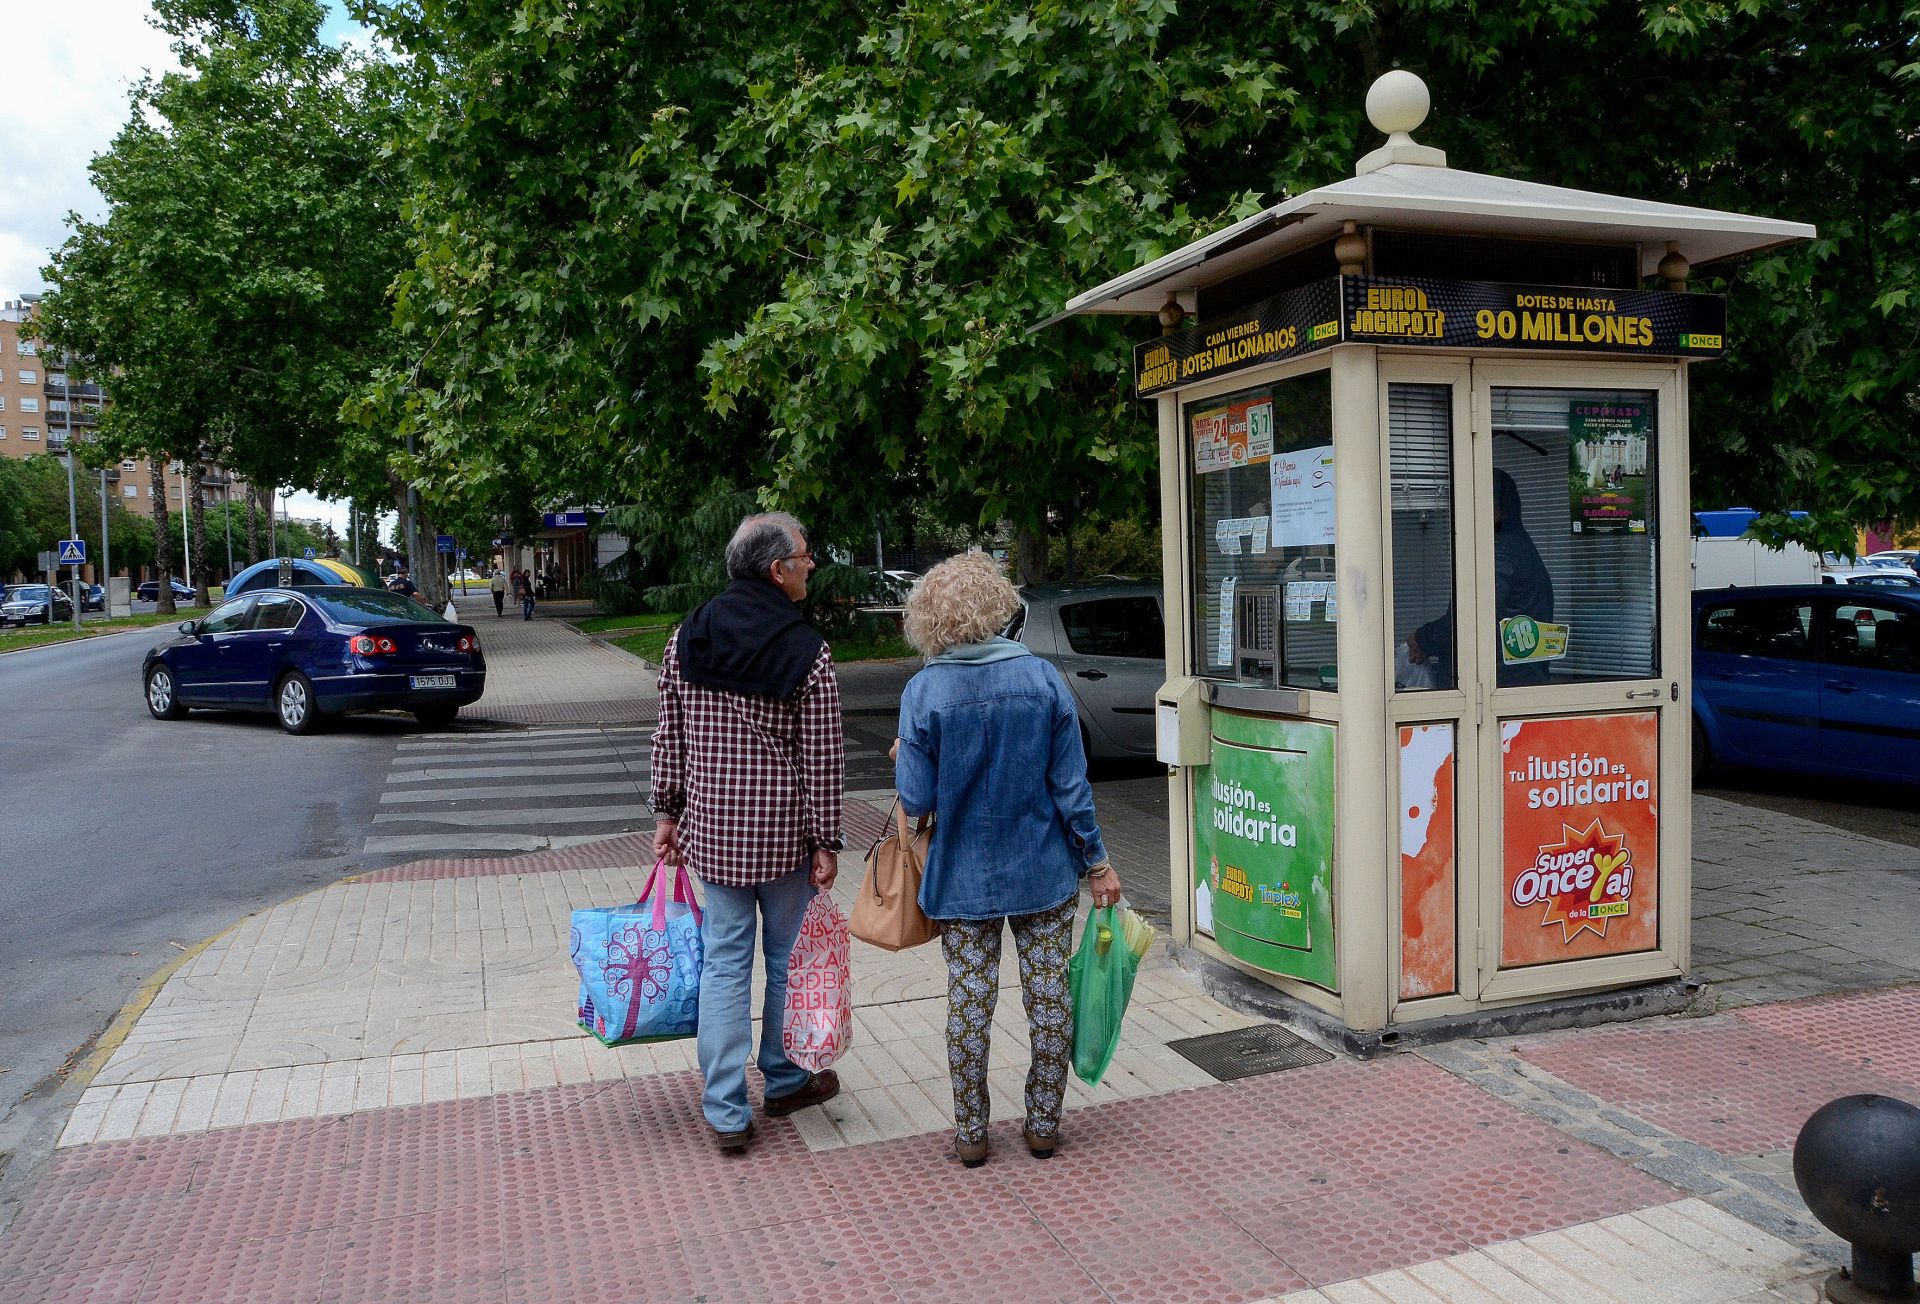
(603, 853)
(1878, 1030)
(1728, 1084)
(614, 1192)
(630, 710)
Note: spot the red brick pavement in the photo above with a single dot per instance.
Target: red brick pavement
(1747, 1083)
(612, 1192)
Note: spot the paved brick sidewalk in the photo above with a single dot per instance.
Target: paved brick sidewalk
(543, 671)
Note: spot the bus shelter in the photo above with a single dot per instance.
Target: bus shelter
(1423, 474)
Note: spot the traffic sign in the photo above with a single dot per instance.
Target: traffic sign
(73, 552)
(443, 542)
(309, 554)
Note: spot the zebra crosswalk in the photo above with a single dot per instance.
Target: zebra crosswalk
(457, 794)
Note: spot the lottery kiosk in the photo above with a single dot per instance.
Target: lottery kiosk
(1423, 450)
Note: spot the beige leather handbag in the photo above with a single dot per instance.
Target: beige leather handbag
(887, 912)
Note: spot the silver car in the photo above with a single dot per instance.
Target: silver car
(1109, 641)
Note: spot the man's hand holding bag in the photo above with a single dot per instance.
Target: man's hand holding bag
(887, 912)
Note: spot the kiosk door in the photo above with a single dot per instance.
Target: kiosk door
(1575, 682)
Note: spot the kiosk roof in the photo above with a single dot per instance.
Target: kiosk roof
(1440, 200)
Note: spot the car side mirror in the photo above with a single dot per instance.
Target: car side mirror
(189, 626)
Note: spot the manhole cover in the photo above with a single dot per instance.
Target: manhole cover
(1249, 1052)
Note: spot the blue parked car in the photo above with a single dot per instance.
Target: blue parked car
(1816, 679)
(310, 653)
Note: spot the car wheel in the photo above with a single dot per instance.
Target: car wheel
(163, 695)
(435, 717)
(294, 705)
(1702, 754)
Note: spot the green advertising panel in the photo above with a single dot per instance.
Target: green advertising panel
(1263, 839)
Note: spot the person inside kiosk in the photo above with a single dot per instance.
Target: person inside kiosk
(1521, 587)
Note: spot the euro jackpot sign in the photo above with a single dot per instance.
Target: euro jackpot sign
(1559, 319)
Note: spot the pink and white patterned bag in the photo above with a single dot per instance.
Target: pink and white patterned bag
(819, 1017)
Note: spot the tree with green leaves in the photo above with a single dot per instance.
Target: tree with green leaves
(658, 250)
(235, 292)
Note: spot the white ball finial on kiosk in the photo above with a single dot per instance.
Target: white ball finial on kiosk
(1397, 103)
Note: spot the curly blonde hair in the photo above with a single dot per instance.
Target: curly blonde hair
(965, 599)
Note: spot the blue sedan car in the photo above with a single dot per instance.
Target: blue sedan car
(305, 654)
(1816, 679)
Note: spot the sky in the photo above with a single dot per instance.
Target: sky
(70, 68)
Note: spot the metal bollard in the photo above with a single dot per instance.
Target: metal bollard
(1857, 1164)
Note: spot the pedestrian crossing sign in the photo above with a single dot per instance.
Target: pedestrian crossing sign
(73, 552)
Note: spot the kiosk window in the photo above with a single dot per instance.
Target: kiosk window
(1265, 608)
(1420, 452)
(1574, 536)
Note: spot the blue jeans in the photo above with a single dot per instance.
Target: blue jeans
(526, 608)
(726, 992)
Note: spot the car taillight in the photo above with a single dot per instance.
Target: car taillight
(469, 643)
(367, 645)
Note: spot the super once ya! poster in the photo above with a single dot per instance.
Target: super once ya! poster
(1263, 838)
(1580, 837)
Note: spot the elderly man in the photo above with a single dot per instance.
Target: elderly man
(748, 767)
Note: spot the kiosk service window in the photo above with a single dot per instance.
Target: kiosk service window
(1261, 459)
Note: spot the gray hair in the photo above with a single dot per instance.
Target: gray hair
(762, 540)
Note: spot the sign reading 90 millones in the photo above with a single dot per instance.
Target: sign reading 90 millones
(1487, 315)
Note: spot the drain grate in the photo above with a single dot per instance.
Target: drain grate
(1249, 1052)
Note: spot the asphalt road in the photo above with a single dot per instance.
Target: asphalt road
(124, 839)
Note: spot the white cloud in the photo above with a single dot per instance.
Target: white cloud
(70, 67)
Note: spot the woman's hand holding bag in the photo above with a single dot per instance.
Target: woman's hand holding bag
(887, 912)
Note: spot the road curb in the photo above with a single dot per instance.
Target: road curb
(142, 999)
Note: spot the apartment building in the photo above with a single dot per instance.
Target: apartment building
(43, 405)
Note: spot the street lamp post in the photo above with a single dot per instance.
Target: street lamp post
(106, 549)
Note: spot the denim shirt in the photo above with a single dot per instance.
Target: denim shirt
(992, 747)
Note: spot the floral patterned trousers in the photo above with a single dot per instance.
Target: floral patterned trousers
(972, 946)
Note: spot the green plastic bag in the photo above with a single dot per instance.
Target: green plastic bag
(1100, 979)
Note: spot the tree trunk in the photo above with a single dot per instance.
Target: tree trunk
(253, 524)
(430, 567)
(196, 508)
(162, 535)
(1030, 555)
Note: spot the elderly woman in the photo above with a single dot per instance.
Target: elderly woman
(990, 744)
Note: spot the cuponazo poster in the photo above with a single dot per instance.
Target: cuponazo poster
(1580, 837)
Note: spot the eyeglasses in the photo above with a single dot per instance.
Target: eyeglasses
(798, 556)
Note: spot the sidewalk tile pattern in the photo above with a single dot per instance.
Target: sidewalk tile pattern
(1744, 1083)
(410, 987)
(1683, 1253)
(1232, 1191)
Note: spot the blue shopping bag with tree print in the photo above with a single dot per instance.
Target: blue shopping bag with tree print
(639, 965)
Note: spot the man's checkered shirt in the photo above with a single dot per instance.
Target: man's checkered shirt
(754, 782)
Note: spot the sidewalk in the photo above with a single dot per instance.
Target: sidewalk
(542, 671)
(376, 1092)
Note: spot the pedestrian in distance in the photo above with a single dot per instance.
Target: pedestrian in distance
(526, 595)
(749, 764)
(498, 584)
(990, 745)
(403, 583)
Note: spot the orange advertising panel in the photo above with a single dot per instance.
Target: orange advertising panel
(1580, 837)
(1426, 860)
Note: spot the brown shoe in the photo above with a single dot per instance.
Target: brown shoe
(970, 1153)
(823, 1086)
(1041, 1146)
(734, 1143)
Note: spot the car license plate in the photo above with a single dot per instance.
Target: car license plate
(431, 681)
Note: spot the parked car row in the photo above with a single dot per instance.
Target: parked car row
(306, 654)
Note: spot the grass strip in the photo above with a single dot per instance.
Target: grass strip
(39, 636)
